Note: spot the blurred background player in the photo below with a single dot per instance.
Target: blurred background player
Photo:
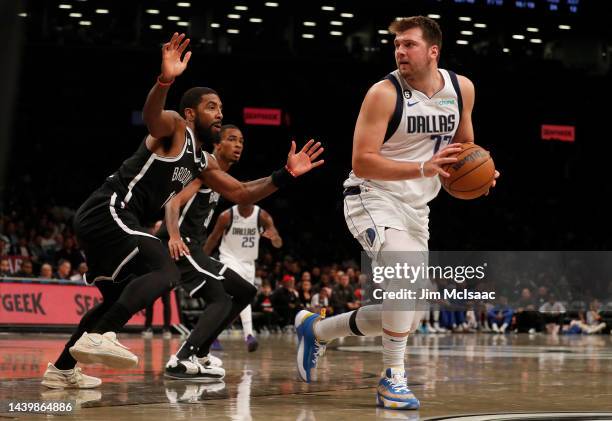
(240, 229)
(402, 138)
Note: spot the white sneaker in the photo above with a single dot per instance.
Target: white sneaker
(104, 349)
(211, 360)
(191, 369)
(167, 334)
(495, 328)
(431, 329)
(147, 333)
(69, 379)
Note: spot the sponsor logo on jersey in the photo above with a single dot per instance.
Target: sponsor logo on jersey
(441, 123)
(446, 101)
(412, 104)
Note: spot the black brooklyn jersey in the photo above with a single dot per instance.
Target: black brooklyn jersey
(145, 182)
(195, 216)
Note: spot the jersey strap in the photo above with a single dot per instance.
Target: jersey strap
(397, 114)
(455, 82)
(260, 227)
(231, 219)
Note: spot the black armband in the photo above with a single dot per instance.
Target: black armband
(282, 177)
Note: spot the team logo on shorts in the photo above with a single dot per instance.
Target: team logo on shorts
(370, 236)
(407, 94)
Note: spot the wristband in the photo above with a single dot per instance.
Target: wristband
(422, 169)
(282, 177)
(160, 83)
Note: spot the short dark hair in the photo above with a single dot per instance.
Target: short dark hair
(192, 97)
(224, 128)
(432, 33)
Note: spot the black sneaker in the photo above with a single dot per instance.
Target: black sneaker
(191, 369)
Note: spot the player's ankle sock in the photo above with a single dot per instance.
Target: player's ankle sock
(113, 320)
(365, 321)
(246, 318)
(65, 361)
(186, 350)
(394, 349)
(333, 327)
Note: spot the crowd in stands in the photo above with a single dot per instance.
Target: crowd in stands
(41, 245)
(44, 246)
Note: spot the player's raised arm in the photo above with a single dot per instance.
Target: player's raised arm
(215, 236)
(253, 191)
(376, 112)
(270, 231)
(162, 123)
(172, 210)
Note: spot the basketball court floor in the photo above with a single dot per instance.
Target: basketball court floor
(452, 374)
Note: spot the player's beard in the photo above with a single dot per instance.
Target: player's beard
(205, 134)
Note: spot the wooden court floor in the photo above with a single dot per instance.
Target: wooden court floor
(451, 374)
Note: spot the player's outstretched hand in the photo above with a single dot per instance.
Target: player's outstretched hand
(303, 161)
(273, 236)
(172, 51)
(177, 248)
(442, 157)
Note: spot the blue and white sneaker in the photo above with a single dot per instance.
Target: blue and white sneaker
(393, 392)
(309, 348)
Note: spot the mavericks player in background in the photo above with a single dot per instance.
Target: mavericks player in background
(402, 139)
(241, 227)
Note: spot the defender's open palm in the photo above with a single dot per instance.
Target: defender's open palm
(172, 65)
(303, 161)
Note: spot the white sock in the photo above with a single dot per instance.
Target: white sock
(394, 349)
(366, 322)
(247, 321)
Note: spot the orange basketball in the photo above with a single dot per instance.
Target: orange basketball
(472, 175)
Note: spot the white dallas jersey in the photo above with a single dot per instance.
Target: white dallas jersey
(419, 127)
(241, 239)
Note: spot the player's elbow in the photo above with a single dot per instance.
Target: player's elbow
(360, 166)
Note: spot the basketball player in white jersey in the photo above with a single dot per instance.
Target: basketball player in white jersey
(239, 229)
(402, 139)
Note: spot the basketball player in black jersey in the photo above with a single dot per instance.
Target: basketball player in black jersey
(225, 292)
(130, 267)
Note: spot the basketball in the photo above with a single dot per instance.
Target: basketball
(472, 175)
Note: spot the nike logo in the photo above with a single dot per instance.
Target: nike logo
(413, 104)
